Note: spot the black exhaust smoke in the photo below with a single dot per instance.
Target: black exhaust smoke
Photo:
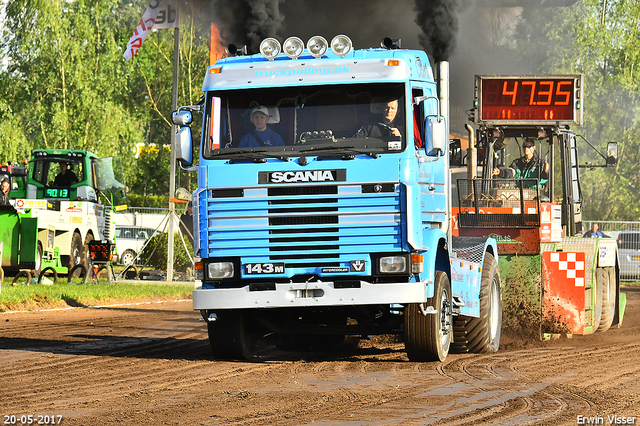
(251, 21)
(439, 22)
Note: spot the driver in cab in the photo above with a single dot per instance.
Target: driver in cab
(382, 123)
(529, 166)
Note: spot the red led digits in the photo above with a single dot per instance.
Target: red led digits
(529, 99)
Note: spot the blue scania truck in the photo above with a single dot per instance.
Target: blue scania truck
(343, 227)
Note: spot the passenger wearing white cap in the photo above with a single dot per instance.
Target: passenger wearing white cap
(262, 136)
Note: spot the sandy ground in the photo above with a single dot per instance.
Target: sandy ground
(151, 363)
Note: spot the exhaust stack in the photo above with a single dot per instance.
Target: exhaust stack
(442, 68)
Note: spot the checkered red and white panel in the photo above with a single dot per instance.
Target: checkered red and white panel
(569, 266)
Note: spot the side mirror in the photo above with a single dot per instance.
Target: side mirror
(181, 118)
(183, 145)
(436, 137)
(612, 153)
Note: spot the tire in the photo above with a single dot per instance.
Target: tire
(608, 300)
(602, 281)
(482, 335)
(428, 337)
(127, 257)
(85, 249)
(39, 253)
(76, 256)
(101, 269)
(72, 271)
(21, 274)
(130, 272)
(44, 271)
(230, 336)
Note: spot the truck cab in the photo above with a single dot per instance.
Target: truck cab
(334, 220)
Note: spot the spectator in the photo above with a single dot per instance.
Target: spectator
(594, 232)
(5, 187)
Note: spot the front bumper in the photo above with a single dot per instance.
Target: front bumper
(312, 294)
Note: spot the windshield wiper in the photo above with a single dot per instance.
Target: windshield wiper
(250, 154)
(347, 149)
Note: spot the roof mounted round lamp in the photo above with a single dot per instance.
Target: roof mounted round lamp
(317, 46)
(270, 48)
(293, 47)
(341, 45)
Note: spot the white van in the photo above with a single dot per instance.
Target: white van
(129, 241)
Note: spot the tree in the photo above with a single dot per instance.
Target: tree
(607, 53)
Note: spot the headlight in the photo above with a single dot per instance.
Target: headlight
(317, 46)
(220, 270)
(393, 264)
(270, 48)
(341, 45)
(293, 47)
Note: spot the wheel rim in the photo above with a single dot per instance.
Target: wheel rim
(494, 315)
(38, 258)
(444, 331)
(127, 258)
(77, 257)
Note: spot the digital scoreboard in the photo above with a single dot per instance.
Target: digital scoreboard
(534, 100)
(56, 193)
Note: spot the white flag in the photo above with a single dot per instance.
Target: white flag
(160, 14)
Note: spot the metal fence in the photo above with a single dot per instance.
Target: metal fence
(150, 210)
(628, 236)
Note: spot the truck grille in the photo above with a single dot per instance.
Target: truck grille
(305, 227)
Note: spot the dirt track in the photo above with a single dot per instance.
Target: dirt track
(151, 364)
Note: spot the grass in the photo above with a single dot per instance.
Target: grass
(39, 296)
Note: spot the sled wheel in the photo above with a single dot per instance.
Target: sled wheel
(608, 299)
(602, 281)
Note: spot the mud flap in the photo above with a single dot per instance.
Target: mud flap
(564, 304)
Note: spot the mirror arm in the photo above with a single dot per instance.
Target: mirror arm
(594, 148)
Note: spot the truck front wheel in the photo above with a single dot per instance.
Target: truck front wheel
(230, 335)
(428, 337)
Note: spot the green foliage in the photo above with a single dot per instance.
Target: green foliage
(22, 297)
(160, 244)
(138, 200)
(65, 83)
(605, 49)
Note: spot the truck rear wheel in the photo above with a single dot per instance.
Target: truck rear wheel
(230, 335)
(428, 337)
(482, 335)
(608, 299)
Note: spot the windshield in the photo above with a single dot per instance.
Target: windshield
(56, 172)
(350, 119)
